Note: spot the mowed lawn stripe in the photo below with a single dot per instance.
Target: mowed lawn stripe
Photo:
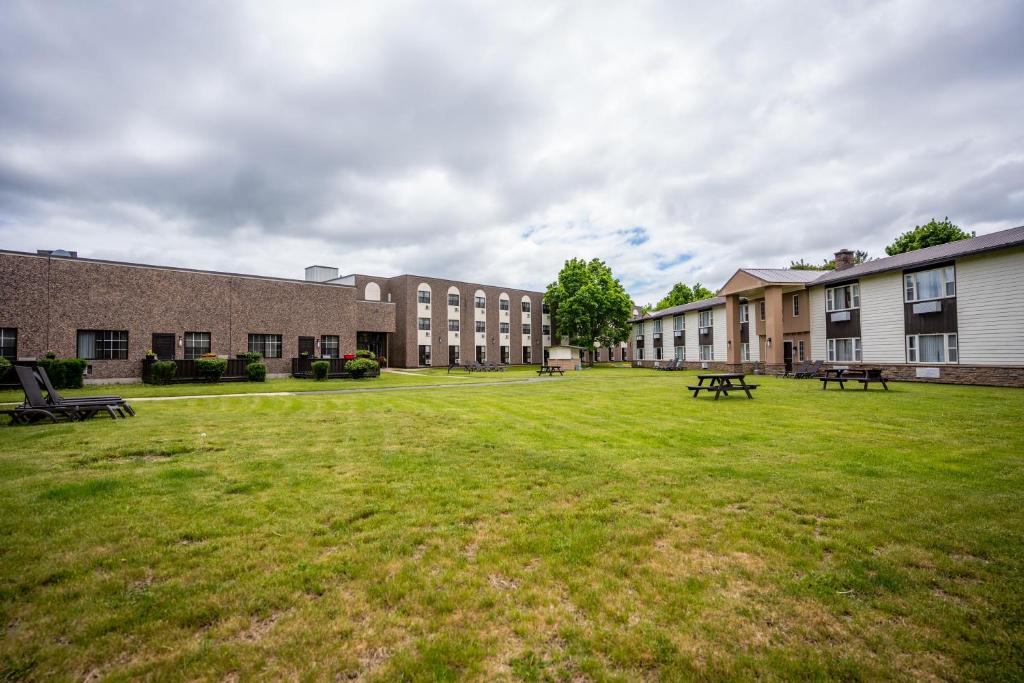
(606, 527)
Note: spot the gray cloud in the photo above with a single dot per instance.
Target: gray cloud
(492, 141)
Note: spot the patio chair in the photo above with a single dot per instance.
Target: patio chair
(812, 369)
(117, 403)
(36, 408)
(798, 371)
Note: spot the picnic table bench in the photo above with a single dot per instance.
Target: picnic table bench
(842, 375)
(722, 383)
(550, 370)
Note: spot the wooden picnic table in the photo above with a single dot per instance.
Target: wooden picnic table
(842, 375)
(550, 370)
(722, 383)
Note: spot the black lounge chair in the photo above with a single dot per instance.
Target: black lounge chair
(116, 403)
(36, 407)
(807, 370)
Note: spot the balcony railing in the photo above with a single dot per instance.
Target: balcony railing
(188, 371)
(303, 367)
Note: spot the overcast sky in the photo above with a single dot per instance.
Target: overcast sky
(491, 141)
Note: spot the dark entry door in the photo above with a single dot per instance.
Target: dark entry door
(504, 355)
(163, 346)
(453, 355)
(787, 355)
(307, 345)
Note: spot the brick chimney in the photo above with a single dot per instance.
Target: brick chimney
(844, 259)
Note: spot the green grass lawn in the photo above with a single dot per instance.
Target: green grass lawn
(604, 526)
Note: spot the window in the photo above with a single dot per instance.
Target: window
(267, 345)
(526, 307)
(707, 352)
(545, 330)
(796, 305)
(330, 346)
(657, 353)
(761, 307)
(453, 299)
(657, 325)
(103, 344)
(677, 323)
(680, 353)
(423, 296)
(453, 325)
(480, 302)
(196, 344)
(745, 351)
(423, 323)
(503, 328)
(800, 351)
(481, 354)
(930, 284)
(932, 348)
(844, 350)
(545, 309)
(639, 353)
(481, 326)
(9, 343)
(527, 354)
(706, 319)
(842, 298)
(526, 328)
(502, 304)
(424, 354)
(744, 313)
(638, 330)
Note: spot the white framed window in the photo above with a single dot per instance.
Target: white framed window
(526, 306)
(502, 304)
(657, 325)
(423, 323)
(503, 328)
(657, 353)
(267, 345)
(545, 330)
(9, 343)
(842, 298)
(801, 351)
(796, 305)
(925, 285)
(103, 344)
(480, 302)
(481, 326)
(423, 296)
(844, 350)
(526, 328)
(680, 353)
(453, 299)
(638, 330)
(678, 323)
(745, 351)
(744, 313)
(196, 344)
(706, 319)
(932, 348)
(330, 345)
(707, 352)
(453, 325)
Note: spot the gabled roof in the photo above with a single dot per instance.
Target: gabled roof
(676, 310)
(783, 275)
(1004, 239)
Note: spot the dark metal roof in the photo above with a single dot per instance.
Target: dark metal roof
(676, 310)
(1004, 239)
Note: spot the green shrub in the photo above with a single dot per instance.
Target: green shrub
(49, 355)
(360, 366)
(320, 369)
(363, 353)
(163, 371)
(257, 372)
(64, 373)
(211, 369)
(253, 357)
(5, 367)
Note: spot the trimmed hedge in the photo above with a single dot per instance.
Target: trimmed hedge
(252, 357)
(257, 372)
(320, 369)
(163, 371)
(5, 367)
(64, 373)
(211, 369)
(363, 353)
(360, 366)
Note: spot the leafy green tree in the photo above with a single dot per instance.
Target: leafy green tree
(930, 234)
(827, 264)
(681, 293)
(588, 304)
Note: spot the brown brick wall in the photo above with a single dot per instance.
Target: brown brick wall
(984, 375)
(144, 300)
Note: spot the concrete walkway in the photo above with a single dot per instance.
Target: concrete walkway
(331, 392)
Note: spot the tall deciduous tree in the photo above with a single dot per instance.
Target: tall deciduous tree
(928, 235)
(681, 293)
(588, 304)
